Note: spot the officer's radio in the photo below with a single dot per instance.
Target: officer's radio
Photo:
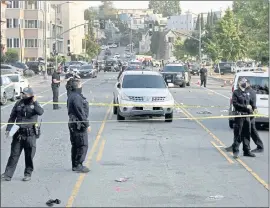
(37, 129)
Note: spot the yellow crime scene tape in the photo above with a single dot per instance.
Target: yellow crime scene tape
(142, 105)
(136, 120)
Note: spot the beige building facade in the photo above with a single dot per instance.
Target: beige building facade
(3, 22)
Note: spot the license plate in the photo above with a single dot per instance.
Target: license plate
(147, 108)
(168, 80)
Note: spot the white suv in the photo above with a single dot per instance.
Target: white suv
(259, 81)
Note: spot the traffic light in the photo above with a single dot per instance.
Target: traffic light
(102, 24)
(150, 33)
(53, 47)
(68, 53)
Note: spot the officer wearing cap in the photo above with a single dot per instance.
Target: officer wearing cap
(242, 103)
(25, 113)
(78, 112)
(55, 87)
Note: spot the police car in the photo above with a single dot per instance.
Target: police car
(259, 81)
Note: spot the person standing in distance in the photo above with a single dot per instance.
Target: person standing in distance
(78, 112)
(242, 104)
(25, 111)
(55, 87)
(203, 75)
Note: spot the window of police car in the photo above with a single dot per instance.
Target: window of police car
(143, 81)
(174, 69)
(259, 84)
(14, 78)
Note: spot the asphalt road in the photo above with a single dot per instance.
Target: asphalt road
(182, 163)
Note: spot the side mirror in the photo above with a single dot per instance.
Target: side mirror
(118, 85)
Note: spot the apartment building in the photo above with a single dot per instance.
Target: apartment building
(3, 26)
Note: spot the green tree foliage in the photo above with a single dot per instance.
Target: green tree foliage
(11, 55)
(191, 45)
(202, 22)
(166, 8)
(154, 47)
(197, 23)
(107, 10)
(91, 44)
(179, 49)
(254, 19)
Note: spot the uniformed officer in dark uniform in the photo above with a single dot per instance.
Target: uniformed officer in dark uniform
(55, 87)
(242, 103)
(25, 111)
(254, 133)
(203, 75)
(78, 111)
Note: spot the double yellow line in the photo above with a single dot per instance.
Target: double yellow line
(80, 180)
(255, 175)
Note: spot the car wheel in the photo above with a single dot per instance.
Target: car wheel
(114, 108)
(169, 117)
(183, 85)
(188, 84)
(13, 98)
(119, 117)
(4, 99)
(231, 124)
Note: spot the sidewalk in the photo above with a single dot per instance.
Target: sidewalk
(218, 77)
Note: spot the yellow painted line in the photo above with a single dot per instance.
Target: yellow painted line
(255, 175)
(100, 152)
(223, 153)
(78, 184)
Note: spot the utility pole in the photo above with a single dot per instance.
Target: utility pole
(200, 39)
(45, 39)
(130, 42)
(21, 50)
(55, 33)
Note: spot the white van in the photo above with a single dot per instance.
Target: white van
(259, 81)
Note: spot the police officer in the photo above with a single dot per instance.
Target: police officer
(78, 111)
(25, 111)
(55, 87)
(243, 106)
(254, 133)
(203, 75)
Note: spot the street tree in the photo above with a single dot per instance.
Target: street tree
(107, 10)
(191, 45)
(179, 49)
(11, 55)
(166, 8)
(197, 23)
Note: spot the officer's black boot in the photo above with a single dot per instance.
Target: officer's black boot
(235, 155)
(5, 178)
(229, 149)
(257, 150)
(81, 169)
(26, 178)
(249, 154)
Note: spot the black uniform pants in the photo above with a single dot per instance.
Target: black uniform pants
(242, 130)
(203, 81)
(79, 147)
(254, 134)
(55, 91)
(19, 143)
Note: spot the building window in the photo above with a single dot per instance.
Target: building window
(9, 23)
(32, 43)
(16, 43)
(31, 23)
(9, 42)
(15, 23)
(68, 42)
(13, 4)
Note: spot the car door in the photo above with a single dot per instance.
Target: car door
(9, 87)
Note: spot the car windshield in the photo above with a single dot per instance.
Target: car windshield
(135, 63)
(225, 64)
(174, 69)
(143, 81)
(14, 78)
(74, 67)
(86, 67)
(259, 84)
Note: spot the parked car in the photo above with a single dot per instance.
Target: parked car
(7, 90)
(108, 52)
(225, 67)
(177, 74)
(259, 81)
(194, 69)
(20, 82)
(111, 65)
(11, 69)
(20, 65)
(87, 71)
(35, 66)
(144, 93)
(117, 55)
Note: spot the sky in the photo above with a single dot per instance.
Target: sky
(192, 6)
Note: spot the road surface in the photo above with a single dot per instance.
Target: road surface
(182, 163)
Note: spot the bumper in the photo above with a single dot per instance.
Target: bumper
(85, 74)
(137, 109)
